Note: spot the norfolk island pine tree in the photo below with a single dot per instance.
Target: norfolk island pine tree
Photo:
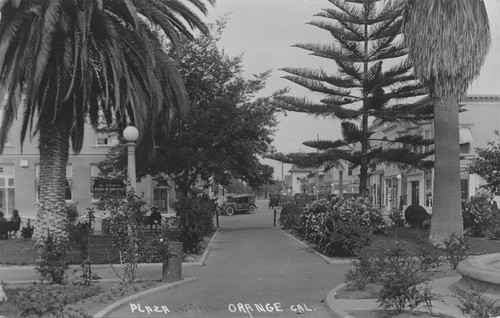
(366, 35)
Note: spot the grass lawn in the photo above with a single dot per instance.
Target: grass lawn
(23, 252)
(409, 239)
(72, 300)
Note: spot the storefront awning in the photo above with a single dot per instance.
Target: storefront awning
(465, 135)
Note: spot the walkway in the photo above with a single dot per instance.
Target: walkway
(252, 270)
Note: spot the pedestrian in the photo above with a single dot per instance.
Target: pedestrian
(154, 218)
(15, 223)
(494, 206)
(4, 231)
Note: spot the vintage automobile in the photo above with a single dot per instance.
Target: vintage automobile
(240, 203)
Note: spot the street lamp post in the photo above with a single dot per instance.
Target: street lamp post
(131, 134)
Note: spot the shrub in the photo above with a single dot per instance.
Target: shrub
(430, 255)
(196, 221)
(403, 285)
(359, 210)
(416, 216)
(479, 218)
(126, 224)
(72, 213)
(347, 239)
(46, 301)
(396, 217)
(27, 231)
(290, 216)
(366, 269)
(79, 236)
(456, 250)
(316, 221)
(475, 305)
(53, 265)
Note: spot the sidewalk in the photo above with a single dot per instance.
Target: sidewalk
(253, 270)
(340, 308)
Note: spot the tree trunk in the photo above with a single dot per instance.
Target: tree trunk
(51, 214)
(447, 209)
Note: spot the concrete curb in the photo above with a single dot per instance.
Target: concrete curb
(203, 258)
(327, 259)
(140, 295)
(337, 307)
(334, 310)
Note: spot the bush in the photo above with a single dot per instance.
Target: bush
(366, 269)
(479, 218)
(46, 301)
(290, 216)
(358, 210)
(430, 255)
(53, 265)
(196, 221)
(126, 225)
(27, 231)
(456, 250)
(396, 217)
(416, 216)
(403, 285)
(475, 305)
(347, 239)
(316, 221)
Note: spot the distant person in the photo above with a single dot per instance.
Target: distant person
(4, 231)
(494, 206)
(155, 217)
(15, 223)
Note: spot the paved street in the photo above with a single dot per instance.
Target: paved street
(252, 270)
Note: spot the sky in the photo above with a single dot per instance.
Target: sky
(264, 32)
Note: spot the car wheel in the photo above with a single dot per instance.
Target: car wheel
(251, 210)
(229, 211)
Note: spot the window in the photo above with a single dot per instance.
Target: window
(465, 148)
(427, 135)
(465, 140)
(349, 170)
(464, 188)
(7, 195)
(161, 195)
(69, 182)
(415, 192)
(94, 173)
(106, 138)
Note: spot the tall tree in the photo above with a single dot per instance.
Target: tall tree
(448, 42)
(226, 129)
(373, 81)
(62, 62)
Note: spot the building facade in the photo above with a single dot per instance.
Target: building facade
(393, 187)
(19, 172)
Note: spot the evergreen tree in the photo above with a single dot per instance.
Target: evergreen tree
(373, 81)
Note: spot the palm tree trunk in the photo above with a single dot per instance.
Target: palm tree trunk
(447, 210)
(51, 214)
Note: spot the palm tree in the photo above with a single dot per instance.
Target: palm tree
(448, 42)
(64, 62)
